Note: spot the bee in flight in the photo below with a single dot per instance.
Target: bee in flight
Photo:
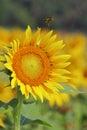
(48, 20)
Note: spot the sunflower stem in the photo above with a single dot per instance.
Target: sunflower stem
(17, 113)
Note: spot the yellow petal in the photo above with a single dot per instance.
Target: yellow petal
(28, 36)
(13, 82)
(36, 38)
(2, 58)
(52, 39)
(45, 93)
(61, 65)
(22, 86)
(51, 87)
(60, 78)
(26, 92)
(60, 58)
(15, 46)
(8, 59)
(61, 71)
(8, 66)
(38, 91)
(31, 91)
(45, 39)
(54, 48)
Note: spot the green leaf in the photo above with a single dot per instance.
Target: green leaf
(12, 103)
(4, 77)
(31, 100)
(2, 110)
(25, 121)
(2, 70)
(5, 110)
(1, 104)
(31, 110)
(6, 71)
(69, 89)
(6, 107)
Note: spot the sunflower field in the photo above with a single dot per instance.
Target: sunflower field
(43, 65)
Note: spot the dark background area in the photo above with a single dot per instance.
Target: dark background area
(68, 14)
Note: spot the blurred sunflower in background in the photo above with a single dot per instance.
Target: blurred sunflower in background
(6, 95)
(8, 35)
(15, 33)
(4, 35)
(75, 46)
(75, 43)
(6, 92)
(36, 64)
(2, 117)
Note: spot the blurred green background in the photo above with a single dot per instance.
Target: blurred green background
(67, 14)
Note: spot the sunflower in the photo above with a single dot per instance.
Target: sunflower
(36, 65)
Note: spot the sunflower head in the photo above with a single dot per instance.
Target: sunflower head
(36, 64)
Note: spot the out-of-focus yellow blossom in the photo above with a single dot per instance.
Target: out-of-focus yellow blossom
(2, 117)
(36, 64)
(15, 33)
(84, 76)
(4, 35)
(6, 95)
(8, 35)
(76, 69)
(6, 92)
(75, 45)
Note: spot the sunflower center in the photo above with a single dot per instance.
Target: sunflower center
(31, 65)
